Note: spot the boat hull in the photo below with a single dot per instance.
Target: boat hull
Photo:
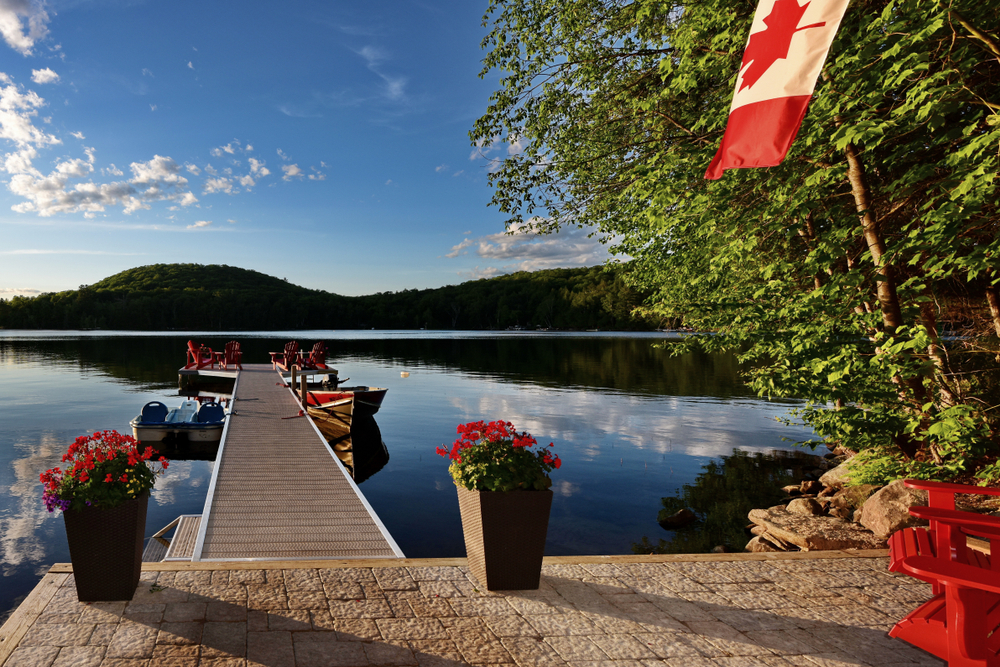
(181, 423)
(367, 400)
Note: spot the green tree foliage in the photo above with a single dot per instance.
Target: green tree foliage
(215, 298)
(861, 274)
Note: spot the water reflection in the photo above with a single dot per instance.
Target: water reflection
(21, 541)
(723, 494)
(359, 446)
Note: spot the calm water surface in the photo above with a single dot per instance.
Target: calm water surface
(631, 424)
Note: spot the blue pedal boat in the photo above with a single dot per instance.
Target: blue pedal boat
(191, 421)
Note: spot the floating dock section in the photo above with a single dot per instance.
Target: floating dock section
(278, 491)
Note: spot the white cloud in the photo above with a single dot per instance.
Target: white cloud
(190, 65)
(69, 185)
(395, 86)
(257, 167)
(146, 72)
(17, 108)
(230, 149)
(13, 29)
(152, 107)
(158, 179)
(8, 292)
(200, 223)
(231, 221)
(41, 76)
(458, 249)
(218, 185)
(283, 156)
(526, 250)
(459, 172)
(516, 147)
(440, 168)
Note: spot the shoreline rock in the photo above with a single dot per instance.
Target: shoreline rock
(829, 514)
(814, 533)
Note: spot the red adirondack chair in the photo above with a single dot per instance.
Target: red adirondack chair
(285, 360)
(938, 537)
(316, 359)
(960, 623)
(231, 357)
(199, 356)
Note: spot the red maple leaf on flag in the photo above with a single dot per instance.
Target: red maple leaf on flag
(771, 44)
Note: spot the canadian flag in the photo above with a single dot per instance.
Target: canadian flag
(784, 55)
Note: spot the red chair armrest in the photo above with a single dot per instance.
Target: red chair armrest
(956, 518)
(951, 572)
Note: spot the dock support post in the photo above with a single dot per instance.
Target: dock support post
(185, 382)
(304, 390)
(294, 368)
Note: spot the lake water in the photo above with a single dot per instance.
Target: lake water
(630, 422)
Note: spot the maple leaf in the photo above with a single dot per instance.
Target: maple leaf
(771, 44)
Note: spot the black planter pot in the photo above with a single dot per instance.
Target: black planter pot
(105, 546)
(505, 536)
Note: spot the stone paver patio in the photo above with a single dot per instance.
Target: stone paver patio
(826, 609)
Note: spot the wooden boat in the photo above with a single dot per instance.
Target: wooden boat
(333, 419)
(366, 400)
(191, 420)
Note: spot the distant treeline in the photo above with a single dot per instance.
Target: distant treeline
(212, 297)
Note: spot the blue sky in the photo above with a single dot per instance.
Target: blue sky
(322, 142)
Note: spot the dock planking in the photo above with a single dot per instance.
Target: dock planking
(278, 491)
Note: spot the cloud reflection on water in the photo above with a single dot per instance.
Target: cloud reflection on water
(21, 540)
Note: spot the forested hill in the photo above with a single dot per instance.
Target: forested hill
(212, 297)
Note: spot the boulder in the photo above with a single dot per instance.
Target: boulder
(791, 490)
(810, 487)
(887, 511)
(678, 519)
(847, 500)
(838, 477)
(760, 545)
(815, 533)
(805, 506)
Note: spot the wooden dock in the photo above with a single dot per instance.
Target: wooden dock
(278, 491)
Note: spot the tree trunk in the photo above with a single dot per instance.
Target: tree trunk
(993, 298)
(892, 316)
(936, 352)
